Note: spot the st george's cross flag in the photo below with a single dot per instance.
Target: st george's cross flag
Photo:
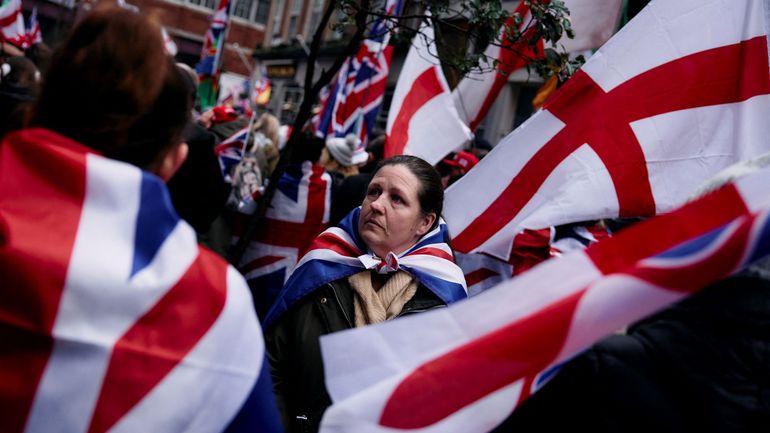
(113, 318)
(593, 21)
(465, 368)
(422, 120)
(665, 104)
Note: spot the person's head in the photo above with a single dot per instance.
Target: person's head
(403, 202)
(125, 100)
(343, 155)
(308, 148)
(268, 125)
(457, 166)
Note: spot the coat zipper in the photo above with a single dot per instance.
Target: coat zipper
(340, 305)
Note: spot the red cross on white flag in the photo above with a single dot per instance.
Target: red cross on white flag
(665, 104)
(423, 120)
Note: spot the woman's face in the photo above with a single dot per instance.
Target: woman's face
(391, 219)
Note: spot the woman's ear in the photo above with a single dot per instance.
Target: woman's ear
(172, 161)
(426, 223)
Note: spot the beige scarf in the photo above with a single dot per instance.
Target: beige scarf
(375, 306)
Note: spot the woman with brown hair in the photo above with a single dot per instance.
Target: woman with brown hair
(113, 318)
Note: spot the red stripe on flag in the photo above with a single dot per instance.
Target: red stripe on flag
(671, 229)
(258, 263)
(328, 241)
(42, 187)
(474, 277)
(11, 19)
(443, 386)
(513, 55)
(426, 87)
(724, 75)
(712, 267)
(161, 338)
(433, 252)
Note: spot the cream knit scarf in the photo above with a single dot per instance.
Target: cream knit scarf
(375, 306)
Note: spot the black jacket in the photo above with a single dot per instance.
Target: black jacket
(294, 350)
(702, 365)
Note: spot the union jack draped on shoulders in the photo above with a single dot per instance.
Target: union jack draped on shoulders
(350, 103)
(112, 317)
(298, 213)
(339, 252)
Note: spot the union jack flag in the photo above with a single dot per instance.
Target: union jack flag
(33, 35)
(298, 213)
(475, 361)
(349, 105)
(230, 152)
(113, 318)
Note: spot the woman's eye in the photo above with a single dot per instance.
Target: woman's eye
(373, 192)
(397, 199)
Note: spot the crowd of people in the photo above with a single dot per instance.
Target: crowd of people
(367, 263)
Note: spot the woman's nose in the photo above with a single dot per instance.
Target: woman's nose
(378, 204)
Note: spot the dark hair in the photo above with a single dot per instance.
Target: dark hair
(126, 100)
(430, 193)
(308, 148)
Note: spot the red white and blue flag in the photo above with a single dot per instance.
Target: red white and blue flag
(33, 35)
(465, 368)
(298, 213)
(12, 29)
(113, 318)
(661, 107)
(530, 248)
(214, 41)
(230, 152)
(350, 103)
(339, 252)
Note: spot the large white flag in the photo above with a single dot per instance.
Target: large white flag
(665, 104)
(594, 21)
(423, 120)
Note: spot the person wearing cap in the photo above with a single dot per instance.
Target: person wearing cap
(457, 166)
(343, 155)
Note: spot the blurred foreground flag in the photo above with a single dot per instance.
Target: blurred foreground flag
(423, 120)
(665, 104)
(113, 318)
(465, 368)
(12, 28)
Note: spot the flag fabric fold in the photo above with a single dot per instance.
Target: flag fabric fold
(113, 317)
(12, 28)
(423, 120)
(298, 213)
(465, 368)
(665, 104)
